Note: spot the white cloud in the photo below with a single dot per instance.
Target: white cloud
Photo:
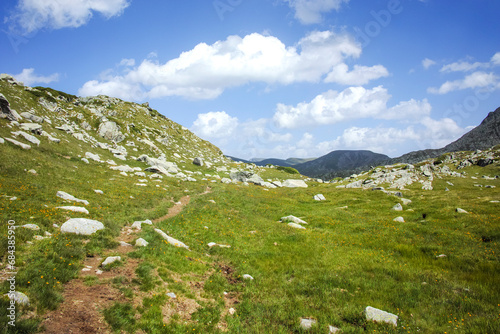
(477, 79)
(360, 75)
(426, 63)
(495, 60)
(32, 15)
(352, 103)
(28, 77)
(214, 124)
(127, 62)
(207, 70)
(310, 11)
(462, 66)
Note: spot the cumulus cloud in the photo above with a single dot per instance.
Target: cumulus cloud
(207, 70)
(462, 66)
(360, 75)
(426, 63)
(495, 60)
(310, 11)
(28, 77)
(477, 79)
(32, 15)
(215, 124)
(352, 103)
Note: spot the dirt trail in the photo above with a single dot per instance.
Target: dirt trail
(80, 312)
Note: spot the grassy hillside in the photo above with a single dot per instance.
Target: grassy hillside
(351, 255)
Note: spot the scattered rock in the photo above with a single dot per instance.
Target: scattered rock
(333, 329)
(97, 191)
(19, 297)
(319, 197)
(294, 225)
(110, 259)
(198, 161)
(231, 311)
(69, 197)
(377, 315)
(17, 143)
(458, 210)
(33, 227)
(399, 219)
(125, 244)
(6, 112)
(138, 224)
(141, 242)
(292, 219)
(74, 209)
(110, 131)
(171, 240)
(213, 244)
(81, 226)
(291, 183)
(307, 323)
(248, 277)
(171, 295)
(440, 256)
(397, 207)
(32, 139)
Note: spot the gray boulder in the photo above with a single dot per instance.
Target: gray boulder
(32, 139)
(171, 240)
(141, 242)
(18, 143)
(69, 197)
(74, 209)
(291, 183)
(319, 197)
(198, 161)
(6, 112)
(397, 207)
(18, 297)
(110, 259)
(31, 117)
(240, 176)
(82, 226)
(377, 315)
(110, 131)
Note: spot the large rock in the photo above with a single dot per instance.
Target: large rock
(292, 219)
(69, 197)
(31, 117)
(198, 161)
(6, 112)
(82, 226)
(171, 240)
(110, 131)
(291, 183)
(32, 139)
(110, 259)
(17, 143)
(240, 176)
(18, 297)
(74, 209)
(377, 315)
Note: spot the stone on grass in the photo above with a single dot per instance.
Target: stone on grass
(246, 276)
(125, 244)
(377, 315)
(69, 197)
(458, 210)
(406, 201)
(231, 311)
(141, 242)
(2, 140)
(292, 219)
(333, 329)
(291, 183)
(15, 142)
(198, 161)
(32, 139)
(397, 207)
(33, 227)
(306, 323)
(74, 209)
(441, 256)
(399, 219)
(171, 240)
(138, 224)
(171, 295)
(110, 259)
(212, 244)
(296, 226)
(97, 191)
(319, 197)
(82, 226)
(18, 297)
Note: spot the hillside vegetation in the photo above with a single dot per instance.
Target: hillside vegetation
(244, 270)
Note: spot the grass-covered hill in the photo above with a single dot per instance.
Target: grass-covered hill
(434, 267)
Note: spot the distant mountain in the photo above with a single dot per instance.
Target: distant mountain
(344, 163)
(482, 137)
(340, 163)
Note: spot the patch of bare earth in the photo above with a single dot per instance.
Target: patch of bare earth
(81, 310)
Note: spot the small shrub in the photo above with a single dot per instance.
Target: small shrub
(289, 170)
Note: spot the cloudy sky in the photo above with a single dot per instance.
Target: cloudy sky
(272, 78)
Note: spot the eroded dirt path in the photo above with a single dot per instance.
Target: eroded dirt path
(81, 310)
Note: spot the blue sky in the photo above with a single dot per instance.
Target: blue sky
(272, 78)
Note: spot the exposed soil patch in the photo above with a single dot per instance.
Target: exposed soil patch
(228, 272)
(175, 210)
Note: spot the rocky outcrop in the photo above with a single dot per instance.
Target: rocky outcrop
(6, 112)
(110, 131)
